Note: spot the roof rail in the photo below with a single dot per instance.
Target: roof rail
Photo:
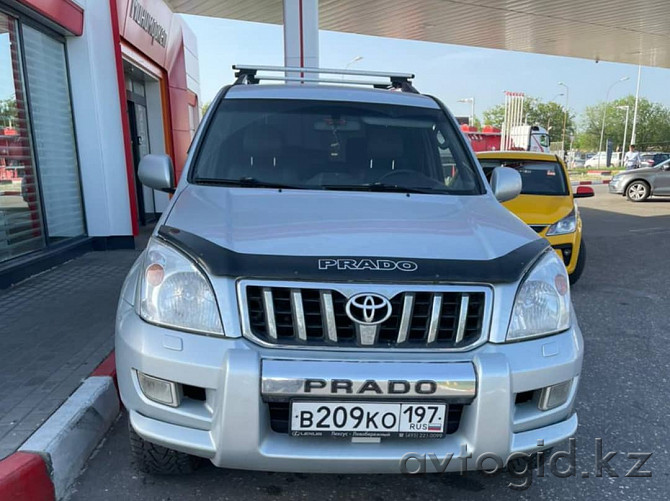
(247, 74)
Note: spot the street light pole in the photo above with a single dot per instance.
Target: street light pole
(633, 138)
(353, 61)
(602, 129)
(470, 100)
(565, 113)
(625, 132)
(472, 111)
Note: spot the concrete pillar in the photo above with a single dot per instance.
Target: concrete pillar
(301, 33)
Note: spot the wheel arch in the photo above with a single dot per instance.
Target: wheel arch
(645, 181)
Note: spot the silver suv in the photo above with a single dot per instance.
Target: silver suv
(334, 285)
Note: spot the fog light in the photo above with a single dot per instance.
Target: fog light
(159, 390)
(554, 396)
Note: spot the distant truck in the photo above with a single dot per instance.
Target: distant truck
(521, 137)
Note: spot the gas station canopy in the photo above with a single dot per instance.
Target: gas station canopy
(624, 31)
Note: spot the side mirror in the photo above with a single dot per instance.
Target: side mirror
(156, 172)
(583, 192)
(505, 183)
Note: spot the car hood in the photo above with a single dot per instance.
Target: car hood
(332, 223)
(643, 170)
(540, 209)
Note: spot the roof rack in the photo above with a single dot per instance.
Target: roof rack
(246, 74)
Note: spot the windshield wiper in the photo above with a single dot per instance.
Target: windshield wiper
(246, 182)
(383, 187)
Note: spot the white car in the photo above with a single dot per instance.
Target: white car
(334, 284)
(599, 160)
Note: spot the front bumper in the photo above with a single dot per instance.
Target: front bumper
(231, 425)
(616, 188)
(567, 247)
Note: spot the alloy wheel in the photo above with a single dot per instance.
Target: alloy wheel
(637, 192)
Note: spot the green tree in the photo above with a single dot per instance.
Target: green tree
(549, 115)
(8, 112)
(205, 107)
(494, 116)
(653, 124)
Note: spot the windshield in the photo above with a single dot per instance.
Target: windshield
(307, 144)
(537, 177)
(663, 164)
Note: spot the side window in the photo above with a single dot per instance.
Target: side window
(456, 171)
(446, 158)
(544, 140)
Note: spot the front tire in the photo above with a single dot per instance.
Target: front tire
(638, 191)
(158, 460)
(581, 263)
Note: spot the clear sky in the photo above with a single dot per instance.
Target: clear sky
(449, 72)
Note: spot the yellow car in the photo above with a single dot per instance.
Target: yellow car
(546, 202)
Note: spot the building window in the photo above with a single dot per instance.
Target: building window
(21, 227)
(40, 195)
(53, 129)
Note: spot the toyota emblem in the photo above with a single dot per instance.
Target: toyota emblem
(368, 309)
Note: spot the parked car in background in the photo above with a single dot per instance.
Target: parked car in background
(639, 184)
(546, 202)
(599, 160)
(576, 159)
(652, 159)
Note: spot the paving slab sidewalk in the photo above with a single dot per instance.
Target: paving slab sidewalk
(55, 328)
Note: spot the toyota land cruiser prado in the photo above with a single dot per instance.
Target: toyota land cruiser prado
(334, 285)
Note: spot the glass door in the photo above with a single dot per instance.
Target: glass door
(139, 138)
(21, 223)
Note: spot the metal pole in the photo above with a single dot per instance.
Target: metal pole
(625, 132)
(472, 113)
(470, 100)
(633, 137)
(602, 129)
(565, 113)
(301, 35)
(503, 135)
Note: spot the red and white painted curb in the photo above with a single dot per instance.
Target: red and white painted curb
(25, 476)
(588, 183)
(49, 462)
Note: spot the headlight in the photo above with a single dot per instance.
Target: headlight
(174, 293)
(542, 304)
(566, 225)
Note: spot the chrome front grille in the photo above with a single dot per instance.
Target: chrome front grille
(315, 315)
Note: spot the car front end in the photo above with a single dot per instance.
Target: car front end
(565, 236)
(234, 409)
(220, 360)
(546, 201)
(332, 310)
(617, 184)
(228, 397)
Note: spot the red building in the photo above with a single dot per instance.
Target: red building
(87, 89)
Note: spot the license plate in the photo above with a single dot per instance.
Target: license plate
(367, 419)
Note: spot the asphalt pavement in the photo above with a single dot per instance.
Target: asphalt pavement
(622, 305)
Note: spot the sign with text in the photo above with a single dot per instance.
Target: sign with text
(148, 22)
(146, 25)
